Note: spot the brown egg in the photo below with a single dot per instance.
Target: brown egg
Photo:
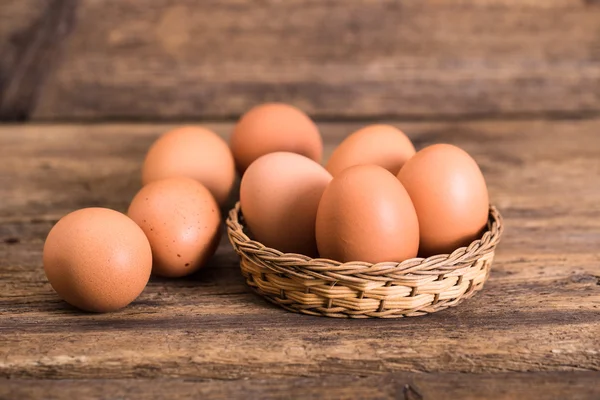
(97, 259)
(273, 127)
(382, 145)
(279, 196)
(366, 215)
(194, 152)
(182, 222)
(450, 196)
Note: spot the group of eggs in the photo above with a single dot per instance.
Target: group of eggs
(375, 200)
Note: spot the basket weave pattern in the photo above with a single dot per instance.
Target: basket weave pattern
(362, 290)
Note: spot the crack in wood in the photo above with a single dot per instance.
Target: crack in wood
(411, 393)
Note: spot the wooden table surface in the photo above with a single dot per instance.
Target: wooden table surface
(533, 332)
(189, 59)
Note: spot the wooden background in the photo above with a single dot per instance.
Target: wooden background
(75, 60)
(532, 333)
(87, 85)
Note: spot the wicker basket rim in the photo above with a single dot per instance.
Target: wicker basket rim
(437, 264)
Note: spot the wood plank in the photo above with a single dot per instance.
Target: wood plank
(30, 41)
(529, 167)
(183, 59)
(539, 311)
(406, 386)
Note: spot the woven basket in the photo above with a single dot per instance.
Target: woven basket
(362, 290)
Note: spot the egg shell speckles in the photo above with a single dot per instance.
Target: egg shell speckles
(182, 222)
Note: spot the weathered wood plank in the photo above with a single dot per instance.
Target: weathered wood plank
(535, 171)
(405, 386)
(539, 311)
(209, 327)
(174, 59)
(31, 35)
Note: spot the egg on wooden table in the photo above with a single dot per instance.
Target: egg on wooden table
(279, 197)
(97, 259)
(450, 196)
(365, 214)
(181, 219)
(382, 145)
(273, 127)
(194, 152)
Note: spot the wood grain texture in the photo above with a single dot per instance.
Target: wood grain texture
(536, 321)
(30, 43)
(180, 59)
(400, 386)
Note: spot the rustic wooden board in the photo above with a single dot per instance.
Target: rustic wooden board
(534, 328)
(178, 59)
(400, 386)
